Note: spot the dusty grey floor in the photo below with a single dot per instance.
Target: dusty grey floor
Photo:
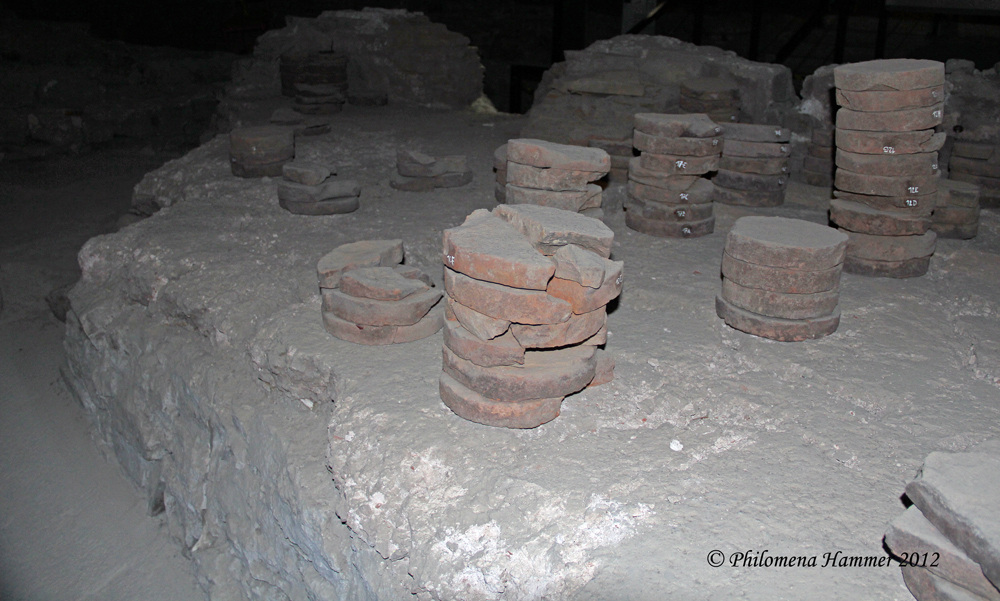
(71, 525)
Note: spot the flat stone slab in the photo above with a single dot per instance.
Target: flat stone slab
(471, 405)
(380, 283)
(331, 206)
(306, 173)
(863, 219)
(751, 132)
(679, 165)
(781, 304)
(778, 279)
(906, 142)
(545, 374)
(786, 243)
(428, 325)
(890, 248)
(985, 182)
(575, 330)
(580, 265)
(921, 163)
(890, 100)
(292, 193)
(914, 185)
(677, 126)
(973, 150)
(669, 212)
(613, 146)
(765, 166)
(489, 248)
(669, 229)
(502, 350)
(959, 493)
(908, 204)
(550, 229)
(911, 534)
(909, 268)
(753, 182)
(757, 150)
(889, 74)
(749, 198)
(365, 253)
(506, 303)
(569, 200)
(411, 163)
(922, 118)
(954, 193)
(540, 153)
(527, 176)
(262, 144)
(700, 192)
(584, 299)
(775, 328)
(658, 179)
(478, 324)
(963, 231)
(955, 216)
(924, 584)
(371, 312)
(975, 167)
(677, 145)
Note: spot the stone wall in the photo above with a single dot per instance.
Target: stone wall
(402, 54)
(639, 73)
(65, 90)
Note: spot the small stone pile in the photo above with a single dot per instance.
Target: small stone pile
(555, 175)
(887, 163)
(818, 164)
(717, 98)
(309, 190)
(317, 81)
(302, 125)
(621, 153)
(261, 150)
(956, 210)
(500, 166)
(526, 290)
(369, 298)
(667, 193)
(977, 163)
(781, 278)
(948, 541)
(419, 172)
(753, 171)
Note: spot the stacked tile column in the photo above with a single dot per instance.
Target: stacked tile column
(977, 163)
(526, 289)
(668, 195)
(753, 171)
(555, 175)
(956, 211)
(886, 158)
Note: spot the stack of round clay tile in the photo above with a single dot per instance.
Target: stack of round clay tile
(818, 164)
(260, 151)
(317, 81)
(717, 98)
(956, 210)
(555, 175)
(781, 278)
(369, 298)
(667, 193)
(500, 166)
(753, 171)
(308, 189)
(620, 152)
(887, 163)
(526, 289)
(977, 163)
(419, 172)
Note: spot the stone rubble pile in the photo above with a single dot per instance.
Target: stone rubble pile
(753, 171)
(977, 163)
(260, 151)
(500, 166)
(309, 190)
(887, 163)
(526, 292)
(317, 81)
(717, 98)
(555, 175)
(956, 210)
(419, 172)
(781, 278)
(668, 195)
(370, 298)
(949, 539)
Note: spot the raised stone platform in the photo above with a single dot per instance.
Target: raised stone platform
(293, 465)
